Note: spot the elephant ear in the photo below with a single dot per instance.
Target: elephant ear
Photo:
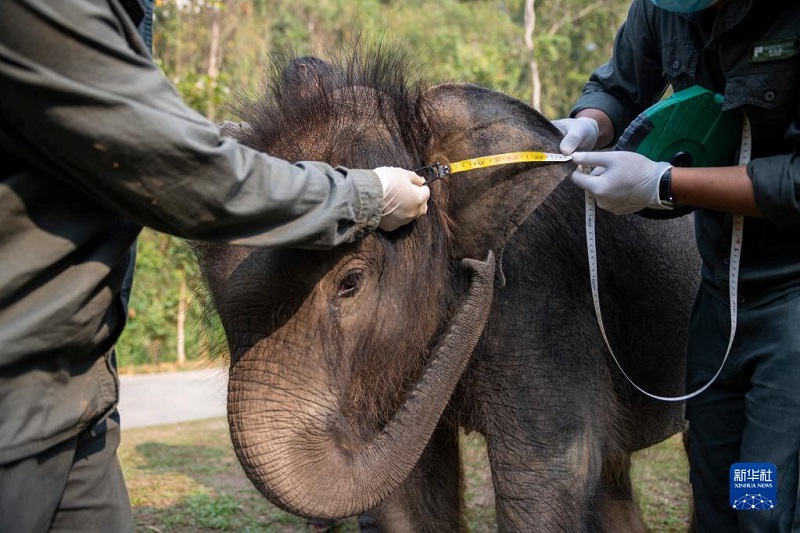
(488, 204)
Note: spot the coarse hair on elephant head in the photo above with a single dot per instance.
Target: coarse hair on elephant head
(342, 361)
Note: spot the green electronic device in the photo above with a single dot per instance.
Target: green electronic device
(687, 129)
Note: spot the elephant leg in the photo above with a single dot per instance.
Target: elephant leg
(614, 507)
(546, 482)
(578, 490)
(431, 498)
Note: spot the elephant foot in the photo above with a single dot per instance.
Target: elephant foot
(619, 515)
(615, 506)
(368, 523)
(319, 525)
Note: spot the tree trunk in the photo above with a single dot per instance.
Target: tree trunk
(214, 60)
(182, 305)
(536, 82)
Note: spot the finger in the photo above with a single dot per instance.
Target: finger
(416, 179)
(596, 171)
(561, 124)
(425, 193)
(568, 145)
(584, 158)
(584, 180)
(422, 195)
(594, 159)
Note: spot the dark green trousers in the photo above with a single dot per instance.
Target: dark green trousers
(75, 486)
(752, 411)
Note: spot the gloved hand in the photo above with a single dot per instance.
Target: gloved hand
(623, 182)
(579, 133)
(236, 130)
(405, 197)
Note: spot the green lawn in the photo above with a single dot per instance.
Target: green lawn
(185, 478)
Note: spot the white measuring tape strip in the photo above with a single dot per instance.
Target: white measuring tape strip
(733, 275)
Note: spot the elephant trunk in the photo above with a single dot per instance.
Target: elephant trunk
(300, 461)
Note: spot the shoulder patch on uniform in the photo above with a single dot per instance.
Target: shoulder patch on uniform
(775, 50)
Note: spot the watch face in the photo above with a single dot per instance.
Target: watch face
(665, 190)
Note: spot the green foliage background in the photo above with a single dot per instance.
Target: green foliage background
(478, 41)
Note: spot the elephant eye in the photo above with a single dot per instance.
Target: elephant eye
(348, 285)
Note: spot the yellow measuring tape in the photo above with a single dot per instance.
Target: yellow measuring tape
(501, 159)
(438, 170)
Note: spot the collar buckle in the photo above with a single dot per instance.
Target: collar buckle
(434, 172)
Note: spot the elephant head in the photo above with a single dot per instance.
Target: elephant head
(343, 361)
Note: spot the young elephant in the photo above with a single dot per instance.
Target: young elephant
(352, 369)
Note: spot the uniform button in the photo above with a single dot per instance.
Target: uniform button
(742, 299)
(676, 64)
(769, 96)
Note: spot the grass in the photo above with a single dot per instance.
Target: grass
(185, 478)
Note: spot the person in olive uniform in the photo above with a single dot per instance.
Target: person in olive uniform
(95, 144)
(751, 55)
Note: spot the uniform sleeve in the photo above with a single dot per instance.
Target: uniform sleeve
(776, 182)
(633, 79)
(77, 84)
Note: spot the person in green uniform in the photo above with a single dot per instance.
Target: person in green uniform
(95, 144)
(751, 55)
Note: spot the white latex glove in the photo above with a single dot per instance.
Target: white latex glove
(405, 197)
(234, 129)
(623, 182)
(579, 133)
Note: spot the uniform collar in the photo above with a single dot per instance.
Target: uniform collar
(135, 9)
(730, 14)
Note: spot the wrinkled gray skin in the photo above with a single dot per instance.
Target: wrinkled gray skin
(352, 369)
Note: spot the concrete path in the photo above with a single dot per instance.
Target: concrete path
(155, 399)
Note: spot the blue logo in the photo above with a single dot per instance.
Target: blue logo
(754, 486)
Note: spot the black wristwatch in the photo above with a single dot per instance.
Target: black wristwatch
(665, 190)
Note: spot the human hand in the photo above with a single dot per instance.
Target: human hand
(623, 182)
(579, 133)
(405, 197)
